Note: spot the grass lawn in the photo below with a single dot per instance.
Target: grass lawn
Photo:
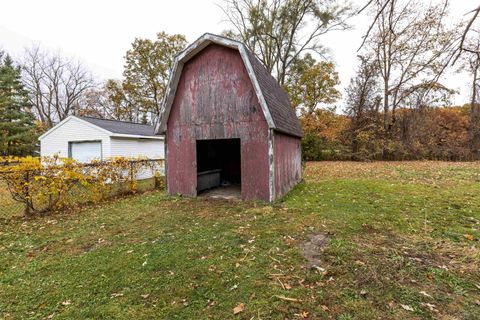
(404, 244)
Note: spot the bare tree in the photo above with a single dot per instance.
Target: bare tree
(411, 46)
(363, 94)
(471, 63)
(363, 106)
(474, 14)
(55, 84)
(460, 48)
(279, 32)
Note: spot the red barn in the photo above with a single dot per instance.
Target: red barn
(228, 124)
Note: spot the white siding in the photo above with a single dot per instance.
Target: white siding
(56, 142)
(129, 147)
(145, 148)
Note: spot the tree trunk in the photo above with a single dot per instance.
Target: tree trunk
(386, 121)
(475, 119)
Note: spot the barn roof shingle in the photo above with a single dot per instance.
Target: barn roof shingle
(277, 99)
(273, 98)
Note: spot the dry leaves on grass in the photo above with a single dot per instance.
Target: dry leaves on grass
(423, 293)
(425, 172)
(430, 306)
(66, 303)
(302, 315)
(406, 307)
(239, 308)
(469, 237)
(287, 298)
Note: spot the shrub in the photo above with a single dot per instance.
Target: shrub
(53, 183)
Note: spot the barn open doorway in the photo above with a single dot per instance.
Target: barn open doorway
(219, 168)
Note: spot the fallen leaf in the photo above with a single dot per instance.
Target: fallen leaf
(116, 295)
(287, 286)
(210, 303)
(359, 263)
(145, 296)
(423, 293)
(406, 307)
(318, 268)
(469, 237)
(288, 299)
(325, 308)
(239, 308)
(430, 306)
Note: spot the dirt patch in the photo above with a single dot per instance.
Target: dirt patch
(312, 248)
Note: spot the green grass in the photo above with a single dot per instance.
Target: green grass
(399, 230)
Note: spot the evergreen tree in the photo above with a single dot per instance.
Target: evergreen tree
(17, 127)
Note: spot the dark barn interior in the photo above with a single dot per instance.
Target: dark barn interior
(219, 166)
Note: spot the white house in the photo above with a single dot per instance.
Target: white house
(87, 138)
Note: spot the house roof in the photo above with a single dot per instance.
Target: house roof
(121, 127)
(114, 128)
(273, 99)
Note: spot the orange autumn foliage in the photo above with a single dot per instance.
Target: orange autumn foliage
(431, 133)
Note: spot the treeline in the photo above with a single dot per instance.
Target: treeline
(435, 133)
(394, 105)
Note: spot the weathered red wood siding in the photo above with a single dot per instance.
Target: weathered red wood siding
(215, 99)
(288, 163)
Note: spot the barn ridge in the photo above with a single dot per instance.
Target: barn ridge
(273, 99)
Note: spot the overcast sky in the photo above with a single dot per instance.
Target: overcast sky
(98, 32)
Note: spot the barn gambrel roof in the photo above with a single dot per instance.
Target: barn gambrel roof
(273, 99)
